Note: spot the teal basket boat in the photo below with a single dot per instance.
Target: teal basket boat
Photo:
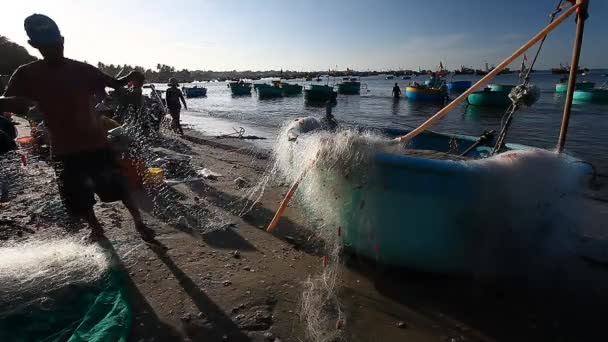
(269, 91)
(318, 93)
(291, 89)
(598, 95)
(489, 98)
(238, 88)
(349, 88)
(563, 87)
(421, 213)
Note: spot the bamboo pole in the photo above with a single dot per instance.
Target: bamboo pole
(288, 196)
(440, 114)
(576, 52)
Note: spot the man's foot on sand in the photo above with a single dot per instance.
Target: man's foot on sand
(94, 237)
(146, 233)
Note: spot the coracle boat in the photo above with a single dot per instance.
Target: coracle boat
(318, 92)
(595, 95)
(459, 85)
(425, 93)
(240, 88)
(350, 87)
(563, 87)
(290, 89)
(195, 91)
(269, 90)
(489, 98)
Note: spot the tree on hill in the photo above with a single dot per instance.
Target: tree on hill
(13, 55)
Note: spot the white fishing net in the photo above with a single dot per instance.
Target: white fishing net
(527, 201)
(30, 270)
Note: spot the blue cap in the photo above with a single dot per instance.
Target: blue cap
(42, 30)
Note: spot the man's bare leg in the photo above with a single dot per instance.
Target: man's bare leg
(144, 231)
(96, 233)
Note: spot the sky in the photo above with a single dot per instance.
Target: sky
(308, 35)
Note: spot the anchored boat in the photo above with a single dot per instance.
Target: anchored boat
(350, 87)
(290, 89)
(318, 92)
(269, 90)
(240, 88)
(596, 95)
(459, 85)
(425, 93)
(489, 98)
(563, 87)
(195, 91)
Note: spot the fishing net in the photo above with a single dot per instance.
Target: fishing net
(511, 208)
(61, 290)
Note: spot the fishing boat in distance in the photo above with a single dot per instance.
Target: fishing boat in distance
(563, 70)
(352, 86)
(464, 71)
(196, 91)
(320, 93)
(458, 85)
(562, 87)
(240, 88)
(390, 77)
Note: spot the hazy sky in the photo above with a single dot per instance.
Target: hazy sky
(309, 34)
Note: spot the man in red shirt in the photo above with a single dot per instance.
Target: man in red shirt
(65, 91)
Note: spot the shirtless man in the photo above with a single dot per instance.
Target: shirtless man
(64, 91)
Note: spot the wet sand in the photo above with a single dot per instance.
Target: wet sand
(232, 281)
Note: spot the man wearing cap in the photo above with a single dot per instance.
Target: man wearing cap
(64, 91)
(173, 97)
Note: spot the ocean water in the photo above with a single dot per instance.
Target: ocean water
(537, 125)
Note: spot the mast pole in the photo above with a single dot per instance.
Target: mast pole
(581, 16)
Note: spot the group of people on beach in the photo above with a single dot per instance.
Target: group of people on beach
(66, 92)
(69, 100)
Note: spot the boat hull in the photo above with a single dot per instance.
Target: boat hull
(240, 88)
(426, 214)
(291, 89)
(319, 93)
(349, 88)
(270, 91)
(194, 92)
(425, 94)
(490, 98)
(459, 85)
(563, 87)
(591, 96)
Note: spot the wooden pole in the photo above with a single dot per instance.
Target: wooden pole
(440, 114)
(576, 52)
(285, 201)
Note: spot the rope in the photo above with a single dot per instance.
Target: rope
(521, 93)
(557, 10)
